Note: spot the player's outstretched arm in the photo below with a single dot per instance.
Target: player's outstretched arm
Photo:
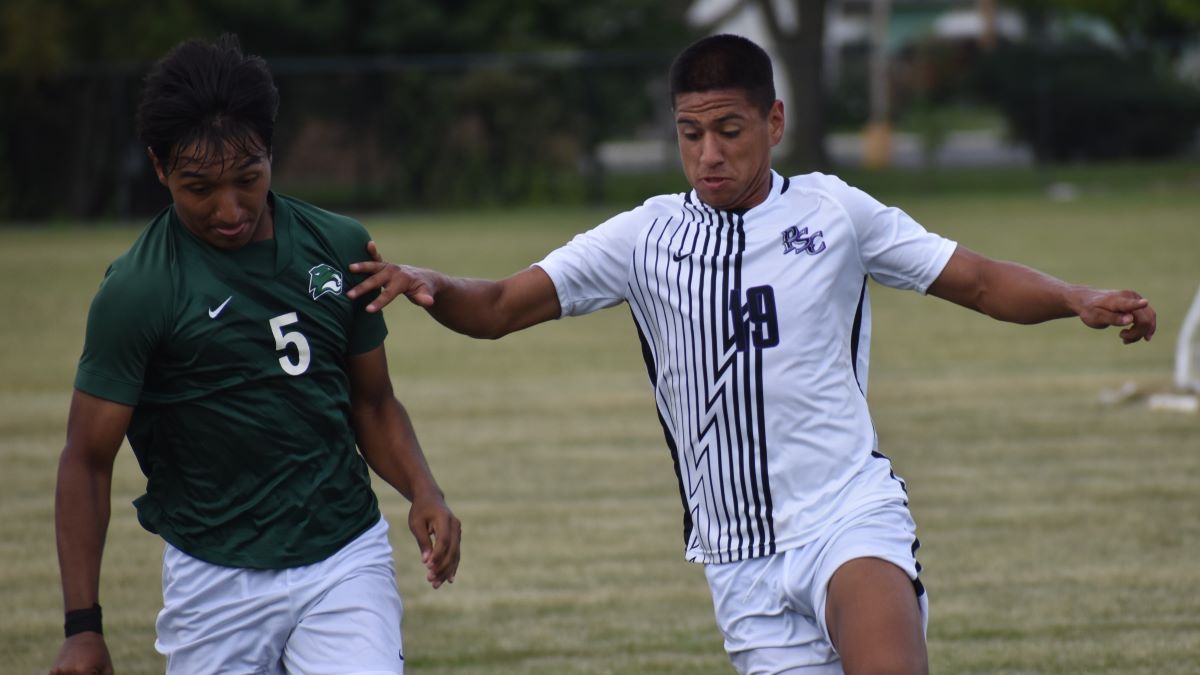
(476, 307)
(95, 428)
(1011, 292)
(389, 444)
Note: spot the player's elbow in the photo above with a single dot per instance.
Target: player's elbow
(1002, 297)
(78, 459)
(478, 327)
(483, 321)
(1001, 309)
(489, 332)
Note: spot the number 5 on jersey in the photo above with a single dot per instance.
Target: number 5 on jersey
(294, 338)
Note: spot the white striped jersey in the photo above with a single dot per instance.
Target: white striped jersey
(755, 328)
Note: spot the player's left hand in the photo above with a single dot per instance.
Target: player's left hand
(1128, 309)
(438, 533)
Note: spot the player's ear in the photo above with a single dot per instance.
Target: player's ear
(775, 122)
(158, 167)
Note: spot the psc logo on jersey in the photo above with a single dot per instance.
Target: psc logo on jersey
(324, 279)
(796, 240)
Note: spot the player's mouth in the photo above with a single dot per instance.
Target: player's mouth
(233, 231)
(714, 183)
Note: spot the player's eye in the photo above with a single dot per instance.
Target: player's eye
(690, 135)
(197, 188)
(248, 179)
(731, 133)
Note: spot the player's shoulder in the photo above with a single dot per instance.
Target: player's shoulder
(152, 253)
(330, 224)
(142, 279)
(803, 190)
(653, 209)
(817, 184)
(665, 202)
(343, 239)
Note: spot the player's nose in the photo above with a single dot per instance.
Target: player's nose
(228, 211)
(710, 151)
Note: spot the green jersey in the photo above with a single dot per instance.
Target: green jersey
(236, 364)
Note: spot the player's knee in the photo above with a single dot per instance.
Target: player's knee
(889, 669)
(907, 662)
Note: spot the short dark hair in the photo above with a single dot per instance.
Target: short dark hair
(209, 94)
(724, 62)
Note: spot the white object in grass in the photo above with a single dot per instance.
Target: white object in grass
(1187, 350)
(1184, 403)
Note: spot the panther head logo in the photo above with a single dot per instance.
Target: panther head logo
(324, 279)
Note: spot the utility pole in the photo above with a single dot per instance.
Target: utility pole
(987, 33)
(877, 137)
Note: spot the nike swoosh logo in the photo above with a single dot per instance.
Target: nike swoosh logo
(212, 313)
(679, 256)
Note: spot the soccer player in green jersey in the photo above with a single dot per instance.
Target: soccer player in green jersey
(255, 395)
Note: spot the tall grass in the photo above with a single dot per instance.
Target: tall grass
(1059, 535)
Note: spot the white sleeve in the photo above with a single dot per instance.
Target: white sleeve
(591, 271)
(895, 249)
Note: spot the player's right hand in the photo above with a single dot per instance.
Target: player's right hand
(392, 280)
(1126, 309)
(83, 654)
(439, 536)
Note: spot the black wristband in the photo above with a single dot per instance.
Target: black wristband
(83, 621)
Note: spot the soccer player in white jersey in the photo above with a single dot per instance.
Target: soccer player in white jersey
(749, 295)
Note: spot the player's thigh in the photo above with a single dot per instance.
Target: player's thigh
(874, 619)
(353, 627)
(871, 604)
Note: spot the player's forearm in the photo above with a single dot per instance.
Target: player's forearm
(493, 309)
(1004, 290)
(1019, 294)
(389, 444)
(469, 306)
(81, 515)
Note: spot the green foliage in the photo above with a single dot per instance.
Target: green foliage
(1079, 101)
(29, 30)
(1131, 179)
(491, 134)
(45, 37)
(1131, 17)
(470, 101)
(848, 104)
(501, 136)
(1186, 10)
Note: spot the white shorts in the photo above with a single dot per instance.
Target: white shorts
(341, 615)
(771, 610)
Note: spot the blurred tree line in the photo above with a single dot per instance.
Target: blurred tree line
(485, 100)
(1073, 97)
(410, 103)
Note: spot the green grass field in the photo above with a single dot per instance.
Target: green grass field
(1059, 535)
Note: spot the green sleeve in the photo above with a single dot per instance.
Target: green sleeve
(125, 324)
(368, 330)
